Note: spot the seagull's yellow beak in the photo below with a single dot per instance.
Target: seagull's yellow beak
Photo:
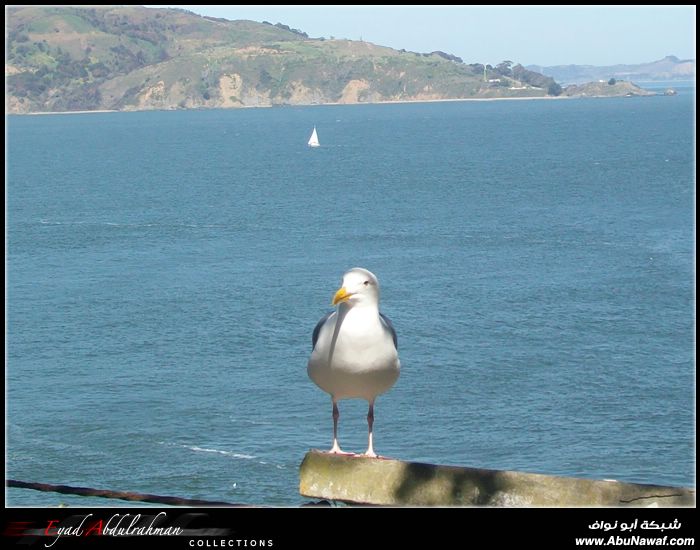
(341, 296)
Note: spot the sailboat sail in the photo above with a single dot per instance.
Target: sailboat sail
(313, 140)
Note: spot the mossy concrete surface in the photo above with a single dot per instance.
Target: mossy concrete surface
(380, 481)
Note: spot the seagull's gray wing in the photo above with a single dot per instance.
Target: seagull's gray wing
(387, 324)
(317, 329)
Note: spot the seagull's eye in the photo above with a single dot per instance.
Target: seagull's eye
(366, 283)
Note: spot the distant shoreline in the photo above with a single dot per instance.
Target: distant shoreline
(452, 99)
(68, 112)
(392, 101)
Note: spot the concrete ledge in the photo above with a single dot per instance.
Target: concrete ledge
(362, 480)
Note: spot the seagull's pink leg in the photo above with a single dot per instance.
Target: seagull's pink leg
(335, 449)
(370, 422)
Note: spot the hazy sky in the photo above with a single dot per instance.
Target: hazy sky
(540, 35)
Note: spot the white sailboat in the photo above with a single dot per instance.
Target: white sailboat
(313, 140)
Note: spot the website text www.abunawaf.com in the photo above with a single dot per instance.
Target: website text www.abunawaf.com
(635, 540)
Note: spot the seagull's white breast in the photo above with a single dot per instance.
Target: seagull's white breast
(354, 356)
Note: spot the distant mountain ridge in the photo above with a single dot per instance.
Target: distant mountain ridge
(668, 68)
(136, 58)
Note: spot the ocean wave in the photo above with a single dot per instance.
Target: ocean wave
(232, 454)
(253, 422)
(142, 224)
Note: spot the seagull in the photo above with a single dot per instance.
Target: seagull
(355, 351)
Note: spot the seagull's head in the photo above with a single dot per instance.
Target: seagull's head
(360, 287)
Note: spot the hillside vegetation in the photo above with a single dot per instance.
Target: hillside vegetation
(611, 88)
(134, 58)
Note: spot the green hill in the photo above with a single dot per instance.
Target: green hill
(134, 58)
(611, 88)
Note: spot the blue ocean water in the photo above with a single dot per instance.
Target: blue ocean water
(165, 271)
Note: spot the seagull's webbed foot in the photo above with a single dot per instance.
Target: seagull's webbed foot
(372, 454)
(336, 450)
